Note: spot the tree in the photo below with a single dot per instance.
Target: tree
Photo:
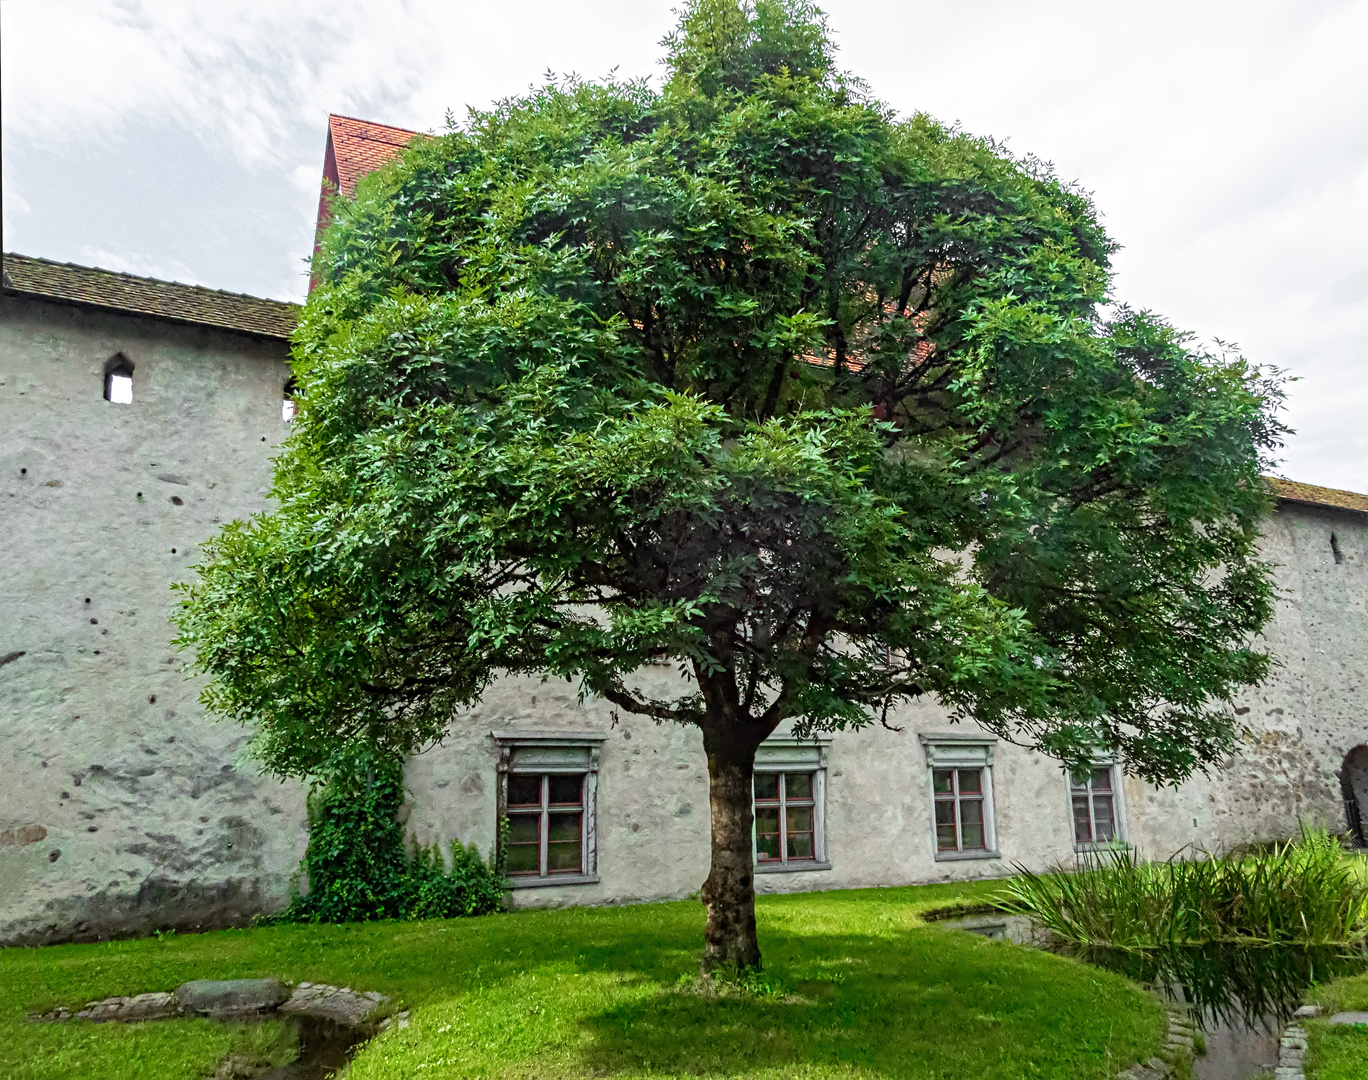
(828, 405)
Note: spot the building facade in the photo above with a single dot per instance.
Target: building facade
(137, 416)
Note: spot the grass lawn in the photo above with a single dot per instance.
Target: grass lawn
(1339, 1052)
(855, 985)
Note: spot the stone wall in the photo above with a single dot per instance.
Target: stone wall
(124, 808)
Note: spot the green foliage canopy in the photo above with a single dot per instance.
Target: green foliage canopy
(827, 404)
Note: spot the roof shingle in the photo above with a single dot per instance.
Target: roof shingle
(360, 147)
(28, 276)
(1291, 491)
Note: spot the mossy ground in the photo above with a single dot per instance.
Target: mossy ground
(1338, 1052)
(855, 985)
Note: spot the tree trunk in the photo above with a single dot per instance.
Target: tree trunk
(729, 892)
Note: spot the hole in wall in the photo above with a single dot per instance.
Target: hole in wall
(118, 380)
(287, 402)
(1335, 548)
(176, 500)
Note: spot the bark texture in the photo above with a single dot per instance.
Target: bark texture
(729, 893)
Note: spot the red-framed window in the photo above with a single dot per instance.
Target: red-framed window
(785, 817)
(545, 824)
(1094, 806)
(959, 797)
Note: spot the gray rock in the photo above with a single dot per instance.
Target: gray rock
(1307, 1012)
(129, 1009)
(1349, 1018)
(231, 997)
(340, 1004)
(1139, 1072)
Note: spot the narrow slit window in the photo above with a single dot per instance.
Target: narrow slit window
(1335, 548)
(118, 380)
(287, 402)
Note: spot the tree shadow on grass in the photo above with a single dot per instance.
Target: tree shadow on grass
(918, 1003)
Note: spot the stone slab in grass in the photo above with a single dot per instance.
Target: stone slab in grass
(1349, 1018)
(341, 1004)
(231, 997)
(129, 1009)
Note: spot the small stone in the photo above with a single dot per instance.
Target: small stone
(128, 1009)
(1158, 1065)
(231, 997)
(337, 1003)
(1307, 1012)
(1349, 1018)
(1288, 1074)
(1291, 1058)
(399, 1020)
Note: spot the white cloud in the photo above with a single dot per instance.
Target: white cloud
(14, 203)
(131, 262)
(1226, 142)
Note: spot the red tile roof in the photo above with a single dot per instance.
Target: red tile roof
(1291, 491)
(358, 147)
(26, 276)
(354, 148)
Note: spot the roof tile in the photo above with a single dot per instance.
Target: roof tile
(361, 147)
(147, 296)
(1291, 491)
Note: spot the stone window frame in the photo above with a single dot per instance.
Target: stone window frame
(543, 753)
(118, 366)
(1122, 838)
(790, 754)
(962, 750)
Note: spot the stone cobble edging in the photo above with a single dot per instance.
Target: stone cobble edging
(235, 998)
(1178, 1048)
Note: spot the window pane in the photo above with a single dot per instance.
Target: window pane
(799, 828)
(766, 785)
(121, 389)
(1101, 779)
(1104, 817)
(798, 785)
(970, 781)
(945, 825)
(1079, 783)
(563, 844)
(565, 790)
(524, 843)
(1082, 827)
(940, 780)
(524, 789)
(766, 833)
(799, 845)
(971, 823)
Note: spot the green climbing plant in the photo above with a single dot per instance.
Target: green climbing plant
(360, 868)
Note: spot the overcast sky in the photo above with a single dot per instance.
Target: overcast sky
(1226, 143)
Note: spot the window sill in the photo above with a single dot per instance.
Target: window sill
(551, 879)
(789, 868)
(1095, 849)
(964, 856)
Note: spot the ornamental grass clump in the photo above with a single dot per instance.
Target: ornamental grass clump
(1298, 893)
(1242, 933)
